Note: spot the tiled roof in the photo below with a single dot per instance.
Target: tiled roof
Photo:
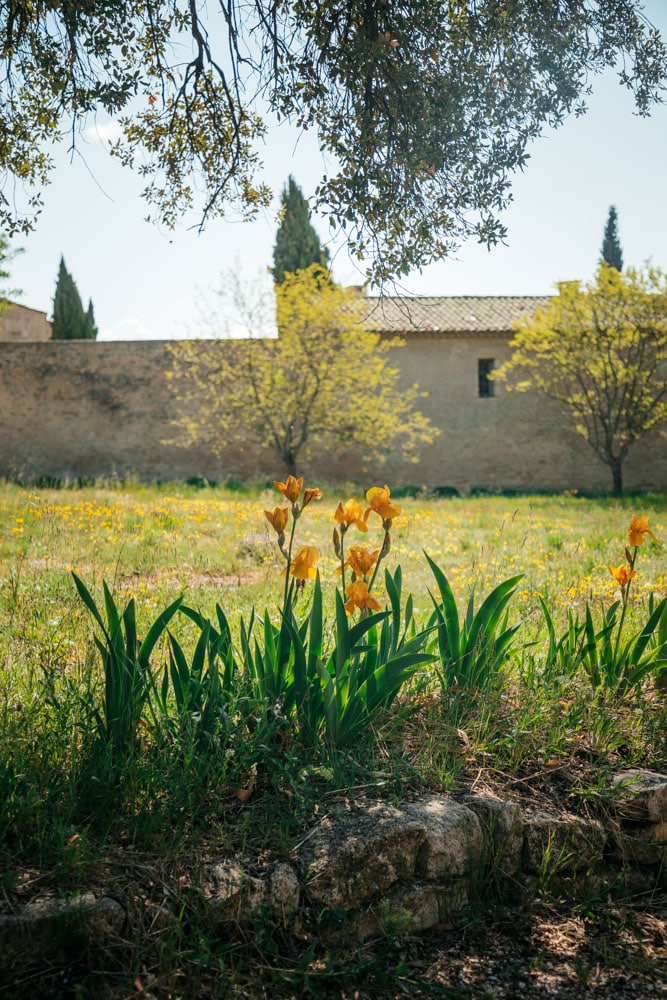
(10, 304)
(451, 314)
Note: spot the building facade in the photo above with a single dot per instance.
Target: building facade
(22, 325)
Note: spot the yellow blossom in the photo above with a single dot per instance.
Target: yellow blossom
(291, 488)
(622, 574)
(361, 560)
(639, 529)
(378, 498)
(349, 513)
(359, 597)
(278, 518)
(303, 563)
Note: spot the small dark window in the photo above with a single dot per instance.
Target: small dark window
(484, 383)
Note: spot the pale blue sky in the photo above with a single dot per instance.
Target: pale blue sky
(146, 283)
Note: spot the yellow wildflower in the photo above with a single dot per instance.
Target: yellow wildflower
(291, 488)
(639, 529)
(378, 498)
(359, 597)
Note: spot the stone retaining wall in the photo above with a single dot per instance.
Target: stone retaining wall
(372, 868)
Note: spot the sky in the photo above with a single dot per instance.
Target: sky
(148, 283)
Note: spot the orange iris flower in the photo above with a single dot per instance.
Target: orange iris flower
(278, 518)
(639, 529)
(349, 513)
(361, 560)
(622, 574)
(311, 493)
(378, 498)
(359, 597)
(291, 488)
(303, 563)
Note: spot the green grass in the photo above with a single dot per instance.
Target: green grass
(157, 542)
(77, 812)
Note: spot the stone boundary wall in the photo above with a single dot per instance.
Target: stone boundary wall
(73, 409)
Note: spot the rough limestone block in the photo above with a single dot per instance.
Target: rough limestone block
(231, 894)
(642, 844)
(48, 925)
(360, 854)
(641, 796)
(408, 908)
(283, 895)
(502, 829)
(453, 845)
(561, 844)
(640, 804)
(452, 899)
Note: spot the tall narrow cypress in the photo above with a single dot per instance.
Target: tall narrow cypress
(611, 246)
(70, 322)
(90, 325)
(297, 243)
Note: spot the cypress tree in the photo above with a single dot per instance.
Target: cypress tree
(297, 243)
(90, 325)
(611, 246)
(69, 321)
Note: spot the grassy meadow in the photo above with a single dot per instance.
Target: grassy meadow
(215, 545)
(82, 808)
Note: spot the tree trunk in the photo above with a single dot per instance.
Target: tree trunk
(290, 463)
(616, 466)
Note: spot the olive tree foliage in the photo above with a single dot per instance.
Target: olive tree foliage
(600, 350)
(424, 107)
(5, 256)
(325, 381)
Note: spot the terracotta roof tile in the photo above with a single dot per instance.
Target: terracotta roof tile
(451, 314)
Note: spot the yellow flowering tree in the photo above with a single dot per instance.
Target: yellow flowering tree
(6, 255)
(600, 350)
(325, 380)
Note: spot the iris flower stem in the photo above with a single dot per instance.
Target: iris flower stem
(625, 591)
(289, 564)
(342, 559)
(383, 551)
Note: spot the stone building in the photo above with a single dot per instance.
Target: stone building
(20, 324)
(476, 319)
(491, 438)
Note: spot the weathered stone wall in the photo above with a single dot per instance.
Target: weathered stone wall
(86, 408)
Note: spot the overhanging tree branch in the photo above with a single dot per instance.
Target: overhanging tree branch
(426, 108)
